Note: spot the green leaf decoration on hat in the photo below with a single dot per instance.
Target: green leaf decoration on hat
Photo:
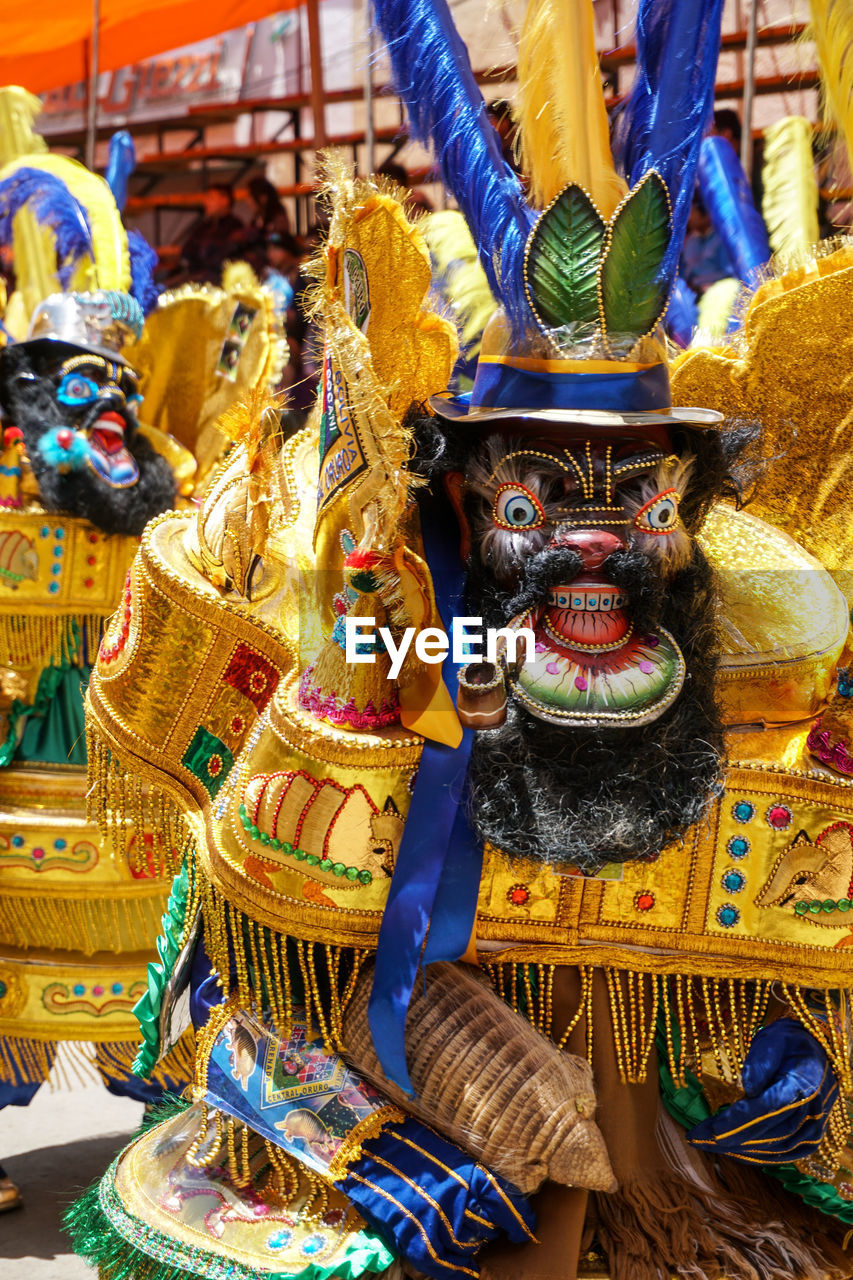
(561, 261)
(633, 292)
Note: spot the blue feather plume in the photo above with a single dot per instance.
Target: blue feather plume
(433, 77)
(53, 205)
(727, 196)
(120, 165)
(143, 263)
(682, 314)
(669, 108)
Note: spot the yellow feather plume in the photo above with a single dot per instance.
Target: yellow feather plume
(457, 264)
(560, 106)
(790, 199)
(831, 29)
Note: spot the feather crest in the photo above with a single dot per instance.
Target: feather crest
(560, 111)
(728, 198)
(433, 77)
(790, 200)
(143, 263)
(664, 119)
(831, 28)
(53, 206)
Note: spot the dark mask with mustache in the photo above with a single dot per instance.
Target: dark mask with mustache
(627, 632)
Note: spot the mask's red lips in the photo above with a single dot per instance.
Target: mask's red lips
(108, 455)
(588, 612)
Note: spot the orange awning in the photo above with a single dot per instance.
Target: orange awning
(46, 47)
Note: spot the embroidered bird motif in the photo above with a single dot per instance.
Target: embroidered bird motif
(812, 871)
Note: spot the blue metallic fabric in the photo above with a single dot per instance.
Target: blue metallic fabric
(434, 1204)
(790, 1090)
(682, 314)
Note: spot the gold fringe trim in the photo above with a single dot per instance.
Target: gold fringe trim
(81, 924)
(69, 1063)
(253, 1160)
(825, 1163)
(699, 1015)
(123, 806)
(43, 640)
(269, 964)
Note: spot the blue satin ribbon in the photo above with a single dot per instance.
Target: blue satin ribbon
(437, 873)
(501, 386)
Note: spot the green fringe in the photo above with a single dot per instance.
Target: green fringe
(169, 943)
(120, 1247)
(95, 1239)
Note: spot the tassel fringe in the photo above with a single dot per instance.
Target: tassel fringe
(55, 640)
(123, 806)
(720, 1015)
(70, 1064)
(85, 925)
(276, 972)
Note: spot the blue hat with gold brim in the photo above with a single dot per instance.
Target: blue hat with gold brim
(595, 393)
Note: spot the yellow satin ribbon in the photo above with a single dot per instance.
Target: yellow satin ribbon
(533, 365)
(425, 703)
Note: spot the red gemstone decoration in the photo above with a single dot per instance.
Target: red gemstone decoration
(238, 724)
(779, 816)
(214, 766)
(644, 901)
(518, 895)
(108, 652)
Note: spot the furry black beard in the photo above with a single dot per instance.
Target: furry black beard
(29, 402)
(588, 797)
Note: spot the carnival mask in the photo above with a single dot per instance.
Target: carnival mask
(76, 410)
(568, 531)
(611, 743)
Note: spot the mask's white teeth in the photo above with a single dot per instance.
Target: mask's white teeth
(593, 600)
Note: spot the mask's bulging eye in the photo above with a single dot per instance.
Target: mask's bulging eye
(516, 507)
(659, 514)
(74, 389)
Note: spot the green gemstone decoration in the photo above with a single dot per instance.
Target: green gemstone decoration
(365, 877)
(351, 873)
(801, 908)
(843, 904)
(828, 905)
(312, 859)
(815, 907)
(275, 843)
(326, 864)
(338, 869)
(299, 854)
(264, 838)
(254, 831)
(287, 847)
